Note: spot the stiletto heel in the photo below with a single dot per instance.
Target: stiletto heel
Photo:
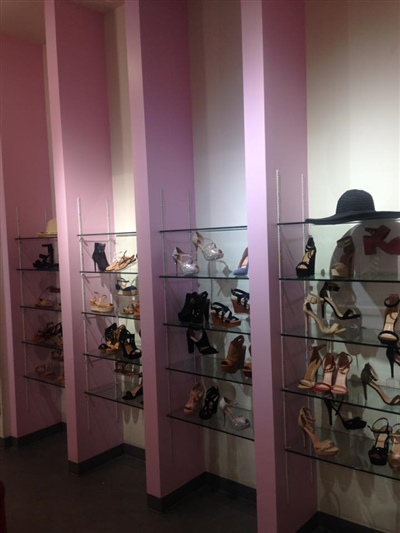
(394, 454)
(348, 423)
(328, 368)
(368, 377)
(308, 381)
(186, 263)
(210, 403)
(343, 369)
(195, 399)
(210, 250)
(238, 422)
(312, 299)
(325, 296)
(306, 422)
(376, 240)
(378, 454)
(240, 301)
(99, 257)
(393, 355)
(388, 335)
(201, 344)
(235, 358)
(306, 267)
(243, 267)
(344, 268)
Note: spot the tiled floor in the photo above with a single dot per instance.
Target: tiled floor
(42, 497)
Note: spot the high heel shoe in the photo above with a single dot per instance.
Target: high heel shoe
(99, 257)
(194, 403)
(235, 358)
(238, 422)
(210, 403)
(99, 305)
(393, 355)
(46, 261)
(202, 343)
(378, 454)
(306, 267)
(344, 268)
(186, 263)
(128, 346)
(121, 262)
(207, 246)
(243, 267)
(324, 294)
(196, 309)
(394, 454)
(388, 335)
(329, 367)
(348, 423)
(308, 381)
(247, 369)
(312, 299)
(222, 316)
(343, 368)
(368, 377)
(376, 240)
(124, 288)
(240, 301)
(306, 422)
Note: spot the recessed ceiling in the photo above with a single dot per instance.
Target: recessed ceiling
(24, 19)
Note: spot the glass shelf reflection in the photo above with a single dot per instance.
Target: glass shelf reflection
(114, 356)
(208, 367)
(243, 329)
(366, 277)
(114, 393)
(48, 381)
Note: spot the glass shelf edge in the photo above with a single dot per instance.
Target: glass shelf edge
(217, 228)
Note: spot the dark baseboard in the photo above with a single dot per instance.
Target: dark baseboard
(17, 442)
(97, 460)
(212, 481)
(5, 442)
(334, 524)
(134, 451)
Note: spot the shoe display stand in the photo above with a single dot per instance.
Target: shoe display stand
(363, 289)
(119, 374)
(215, 278)
(41, 311)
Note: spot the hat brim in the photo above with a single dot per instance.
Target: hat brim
(353, 216)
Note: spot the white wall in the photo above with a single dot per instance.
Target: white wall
(353, 66)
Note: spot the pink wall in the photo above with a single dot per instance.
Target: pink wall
(82, 169)
(26, 188)
(158, 66)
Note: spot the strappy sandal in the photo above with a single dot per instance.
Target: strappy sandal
(98, 304)
(43, 335)
(240, 301)
(124, 289)
(210, 403)
(222, 316)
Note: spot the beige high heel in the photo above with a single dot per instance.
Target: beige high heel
(308, 381)
(207, 246)
(312, 299)
(344, 268)
(306, 422)
(186, 263)
(343, 368)
(235, 358)
(99, 305)
(394, 454)
(195, 399)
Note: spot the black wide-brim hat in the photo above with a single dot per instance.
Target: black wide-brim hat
(352, 206)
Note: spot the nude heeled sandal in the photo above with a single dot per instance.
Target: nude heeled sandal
(308, 381)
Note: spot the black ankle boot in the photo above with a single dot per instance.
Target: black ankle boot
(201, 310)
(99, 256)
(46, 260)
(185, 315)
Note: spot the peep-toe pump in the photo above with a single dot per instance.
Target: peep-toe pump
(306, 267)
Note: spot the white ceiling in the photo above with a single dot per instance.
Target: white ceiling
(25, 18)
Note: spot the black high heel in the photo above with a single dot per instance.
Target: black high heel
(99, 257)
(201, 344)
(368, 377)
(348, 423)
(210, 403)
(129, 348)
(326, 299)
(378, 454)
(393, 355)
(46, 260)
(306, 267)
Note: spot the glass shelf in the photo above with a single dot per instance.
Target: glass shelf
(44, 345)
(200, 276)
(243, 329)
(353, 453)
(221, 228)
(208, 367)
(109, 315)
(114, 356)
(48, 381)
(52, 269)
(116, 234)
(361, 336)
(119, 272)
(36, 238)
(343, 223)
(355, 397)
(367, 277)
(114, 393)
(38, 308)
(216, 422)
